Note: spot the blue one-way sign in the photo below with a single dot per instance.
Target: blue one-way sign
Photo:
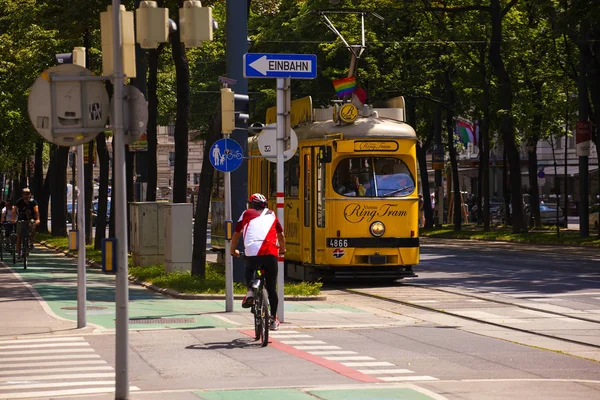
(297, 66)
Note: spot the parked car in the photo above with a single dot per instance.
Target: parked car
(95, 211)
(70, 212)
(548, 215)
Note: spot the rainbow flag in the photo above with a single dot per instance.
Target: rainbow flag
(345, 86)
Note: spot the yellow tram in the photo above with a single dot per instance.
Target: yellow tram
(351, 199)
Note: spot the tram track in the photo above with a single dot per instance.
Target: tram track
(406, 303)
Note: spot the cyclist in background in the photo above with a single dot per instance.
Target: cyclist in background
(25, 209)
(263, 242)
(6, 218)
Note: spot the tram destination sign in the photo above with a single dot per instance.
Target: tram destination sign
(296, 66)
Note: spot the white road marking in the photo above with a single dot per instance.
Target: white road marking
(65, 376)
(37, 346)
(56, 357)
(45, 370)
(332, 352)
(70, 392)
(318, 347)
(282, 332)
(295, 342)
(52, 363)
(487, 316)
(424, 301)
(227, 320)
(385, 371)
(536, 313)
(288, 336)
(350, 358)
(53, 351)
(42, 340)
(369, 364)
(56, 385)
(407, 378)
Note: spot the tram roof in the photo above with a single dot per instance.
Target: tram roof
(369, 127)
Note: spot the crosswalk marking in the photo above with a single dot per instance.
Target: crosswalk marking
(43, 340)
(69, 392)
(53, 366)
(57, 385)
(369, 364)
(295, 342)
(62, 376)
(289, 336)
(54, 357)
(318, 347)
(407, 378)
(44, 370)
(52, 363)
(350, 358)
(331, 352)
(35, 345)
(89, 350)
(385, 371)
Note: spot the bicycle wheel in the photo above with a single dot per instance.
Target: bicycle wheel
(13, 246)
(25, 250)
(257, 320)
(264, 316)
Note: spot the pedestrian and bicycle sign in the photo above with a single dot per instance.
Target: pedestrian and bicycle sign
(297, 66)
(226, 155)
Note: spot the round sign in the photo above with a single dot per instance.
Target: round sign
(541, 174)
(135, 113)
(68, 113)
(267, 144)
(348, 113)
(226, 155)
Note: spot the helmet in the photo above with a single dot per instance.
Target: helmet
(257, 201)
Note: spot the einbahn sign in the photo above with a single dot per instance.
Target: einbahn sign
(296, 66)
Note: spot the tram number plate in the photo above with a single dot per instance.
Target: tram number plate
(338, 242)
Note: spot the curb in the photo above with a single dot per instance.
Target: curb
(174, 294)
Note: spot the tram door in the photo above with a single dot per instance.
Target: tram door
(308, 237)
(313, 210)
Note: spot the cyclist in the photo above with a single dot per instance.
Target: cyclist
(25, 209)
(6, 217)
(263, 241)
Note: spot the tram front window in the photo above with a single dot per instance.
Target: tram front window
(373, 177)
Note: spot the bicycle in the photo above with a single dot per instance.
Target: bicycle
(260, 307)
(8, 243)
(26, 241)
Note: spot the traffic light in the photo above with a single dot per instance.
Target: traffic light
(234, 110)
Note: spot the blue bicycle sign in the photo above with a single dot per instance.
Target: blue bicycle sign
(226, 155)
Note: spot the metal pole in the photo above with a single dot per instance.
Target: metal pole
(120, 193)
(73, 194)
(81, 289)
(283, 131)
(228, 258)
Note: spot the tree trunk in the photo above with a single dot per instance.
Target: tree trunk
(151, 133)
(506, 118)
(203, 199)
(58, 193)
(38, 184)
(104, 161)
(181, 124)
(44, 195)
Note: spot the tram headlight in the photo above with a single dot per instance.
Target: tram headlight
(377, 228)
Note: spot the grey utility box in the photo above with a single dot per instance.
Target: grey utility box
(147, 244)
(178, 237)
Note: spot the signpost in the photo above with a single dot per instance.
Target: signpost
(284, 67)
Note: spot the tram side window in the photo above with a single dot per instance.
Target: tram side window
(292, 176)
(373, 177)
